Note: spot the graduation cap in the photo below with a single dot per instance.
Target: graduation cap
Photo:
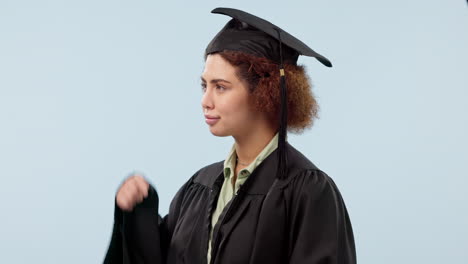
(253, 35)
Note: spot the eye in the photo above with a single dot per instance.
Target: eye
(220, 87)
(203, 87)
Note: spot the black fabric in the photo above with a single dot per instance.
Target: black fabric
(136, 236)
(300, 219)
(254, 35)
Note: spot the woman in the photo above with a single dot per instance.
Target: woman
(266, 202)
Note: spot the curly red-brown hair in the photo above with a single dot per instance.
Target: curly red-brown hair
(263, 79)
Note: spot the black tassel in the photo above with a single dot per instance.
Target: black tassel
(282, 170)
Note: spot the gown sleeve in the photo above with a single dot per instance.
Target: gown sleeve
(142, 236)
(321, 230)
(136, 235)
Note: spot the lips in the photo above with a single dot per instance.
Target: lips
(211, 120)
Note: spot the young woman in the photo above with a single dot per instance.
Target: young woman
(266, 202)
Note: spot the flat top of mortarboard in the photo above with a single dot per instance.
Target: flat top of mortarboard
(272, 30)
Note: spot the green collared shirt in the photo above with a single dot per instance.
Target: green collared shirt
(227, 190)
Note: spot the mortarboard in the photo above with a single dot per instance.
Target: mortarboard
(253, 35)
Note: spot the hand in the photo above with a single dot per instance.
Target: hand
(131, 192)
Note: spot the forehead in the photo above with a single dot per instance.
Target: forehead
(218, 68)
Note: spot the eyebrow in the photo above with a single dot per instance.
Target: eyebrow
(215, 80)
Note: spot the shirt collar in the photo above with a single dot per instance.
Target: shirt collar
(230, 161)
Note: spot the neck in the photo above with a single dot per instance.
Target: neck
(249, 145)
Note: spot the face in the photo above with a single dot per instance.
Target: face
(225, 101)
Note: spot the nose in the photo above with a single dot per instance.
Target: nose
(207, 100)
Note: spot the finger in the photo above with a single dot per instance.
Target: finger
(139, 199)
(128, 197)
(128, 194)
(133, 192)
(140, 182)
(120, 196)
(123, 203)
(137, 194)
(143, 186)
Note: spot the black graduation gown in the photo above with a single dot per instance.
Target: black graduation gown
(301, 219)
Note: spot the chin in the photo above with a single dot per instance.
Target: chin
(219, 132)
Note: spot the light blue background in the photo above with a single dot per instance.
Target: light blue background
(92, 90)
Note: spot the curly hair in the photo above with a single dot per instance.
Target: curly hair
(263, 79)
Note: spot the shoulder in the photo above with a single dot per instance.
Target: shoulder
(207, 175)
(297, 160)
(203, 178)
(201, 181)
(304, 176)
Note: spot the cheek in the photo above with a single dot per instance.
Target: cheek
(239, 111)
(235, 108)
